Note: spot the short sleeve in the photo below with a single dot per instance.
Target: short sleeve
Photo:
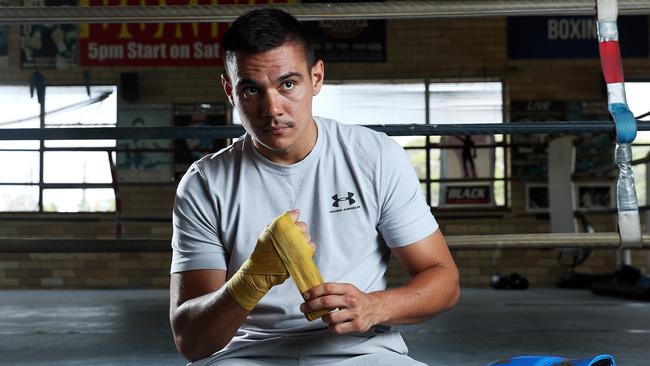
(405, 216)
(196, 243)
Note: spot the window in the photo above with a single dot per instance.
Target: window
(53, 176)
(406, 103)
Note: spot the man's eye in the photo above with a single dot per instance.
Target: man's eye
(288, 85)
(251, 90)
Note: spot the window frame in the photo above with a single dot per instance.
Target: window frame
(42, 149)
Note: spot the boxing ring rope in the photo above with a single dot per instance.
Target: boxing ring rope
(458, 242)
(153, 133)
(540, 241)
(471, 242)
(306, 12)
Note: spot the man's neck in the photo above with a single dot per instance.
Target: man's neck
(295, 153)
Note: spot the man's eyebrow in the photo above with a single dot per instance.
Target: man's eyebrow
(246, 81)
(290, 75)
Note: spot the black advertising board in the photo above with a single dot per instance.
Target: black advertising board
(556, 37)
(354, 40)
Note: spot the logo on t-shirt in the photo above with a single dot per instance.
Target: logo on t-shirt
(344, 203)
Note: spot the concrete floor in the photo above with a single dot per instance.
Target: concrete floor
(130, 327)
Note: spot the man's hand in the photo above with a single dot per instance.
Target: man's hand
(357, 311)
(266, 266)
(432, 289)
(295, 214)
(203, 315)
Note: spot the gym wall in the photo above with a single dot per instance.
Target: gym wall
(438, 49)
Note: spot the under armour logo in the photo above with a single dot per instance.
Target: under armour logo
(349, 198)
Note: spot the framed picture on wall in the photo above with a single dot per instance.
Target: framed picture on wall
(139, 160)
(537, 197)
(594, 195)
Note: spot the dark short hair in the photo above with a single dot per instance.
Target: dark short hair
(261, 30)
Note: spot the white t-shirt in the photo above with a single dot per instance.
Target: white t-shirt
(356, 190)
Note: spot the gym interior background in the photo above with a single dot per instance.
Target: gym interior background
(453, 70)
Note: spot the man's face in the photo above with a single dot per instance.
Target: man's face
(272, 92)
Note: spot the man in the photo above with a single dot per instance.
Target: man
(355, 188)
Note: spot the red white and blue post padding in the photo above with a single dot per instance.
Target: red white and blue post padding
(626, 127)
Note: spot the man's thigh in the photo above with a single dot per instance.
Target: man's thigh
(382, 359)
(256, 361)
(375, 359)
(326, 349)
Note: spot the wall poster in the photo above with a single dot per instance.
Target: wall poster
(530, 151)
(48, 46)
(594, 151)
(138, 163)
(467, 161)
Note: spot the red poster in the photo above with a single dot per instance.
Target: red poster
(153, 44)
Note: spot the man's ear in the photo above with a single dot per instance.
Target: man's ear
(227, 87)
(317, 76)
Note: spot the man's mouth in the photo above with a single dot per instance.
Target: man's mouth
(278, 129)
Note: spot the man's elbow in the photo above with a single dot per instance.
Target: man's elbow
(187, 343)
(185, 348)
(193, 351)
(455, 296)
(453, 288)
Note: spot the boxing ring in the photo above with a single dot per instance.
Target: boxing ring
(610, 58)
(630, 236)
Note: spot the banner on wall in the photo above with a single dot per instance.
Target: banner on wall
(48, 46)
(467, 195)
(199, 44)
(151, 44)
(144, 166)
(466, 161)
(553, 37)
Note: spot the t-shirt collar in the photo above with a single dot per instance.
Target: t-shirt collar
(305, 163)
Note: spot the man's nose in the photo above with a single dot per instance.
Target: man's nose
(272, 106)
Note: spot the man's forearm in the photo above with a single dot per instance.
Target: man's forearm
(426, 294)
(206, 324)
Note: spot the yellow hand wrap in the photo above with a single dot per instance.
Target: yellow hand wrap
(281, 251)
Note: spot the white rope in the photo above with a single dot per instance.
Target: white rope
(540, 241)
(462, 242)
(314, 11)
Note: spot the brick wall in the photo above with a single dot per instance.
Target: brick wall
(84, 270)
(437, 49)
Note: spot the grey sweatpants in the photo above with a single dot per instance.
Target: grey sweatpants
(384, 349)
